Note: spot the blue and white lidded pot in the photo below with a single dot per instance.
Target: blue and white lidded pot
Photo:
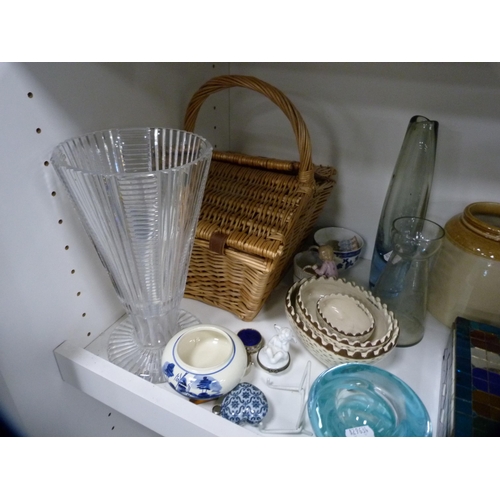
(204, 361)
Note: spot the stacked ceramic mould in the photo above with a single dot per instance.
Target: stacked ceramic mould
(328, 345)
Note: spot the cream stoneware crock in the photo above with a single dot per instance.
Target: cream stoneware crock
(465, 277)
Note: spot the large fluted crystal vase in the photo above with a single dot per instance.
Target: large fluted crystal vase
(138, 193)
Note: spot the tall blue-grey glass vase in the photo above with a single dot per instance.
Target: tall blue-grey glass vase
(409, 189)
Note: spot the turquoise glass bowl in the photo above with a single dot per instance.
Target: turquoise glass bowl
(353, 400)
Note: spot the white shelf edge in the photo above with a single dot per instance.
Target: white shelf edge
(169, 414)
(150, 405)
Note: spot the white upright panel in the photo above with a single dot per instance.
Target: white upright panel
(54, 287)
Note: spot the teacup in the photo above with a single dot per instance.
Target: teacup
(303, 264)
(347, 245)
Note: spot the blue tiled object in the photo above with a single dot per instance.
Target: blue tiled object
(463, 378)
(463, 406)
(480, 385)
(463, 425)
(465, 365)
(494, 389)
(471, 374)
(479, 373)
(463, 351)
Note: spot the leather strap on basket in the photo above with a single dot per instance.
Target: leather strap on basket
(306, 168)
(217, 242)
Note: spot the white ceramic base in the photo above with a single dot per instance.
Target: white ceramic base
(266, 364)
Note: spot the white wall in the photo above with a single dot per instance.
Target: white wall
(356, 113)
(357, 116)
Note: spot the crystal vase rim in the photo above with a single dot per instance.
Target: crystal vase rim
(205, 151)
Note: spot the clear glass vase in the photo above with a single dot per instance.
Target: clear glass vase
(409, 190)
(138, 193)
(403, 285)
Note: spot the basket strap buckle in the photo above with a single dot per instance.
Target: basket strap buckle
(218, 242)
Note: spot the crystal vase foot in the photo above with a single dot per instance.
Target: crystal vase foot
(144, 361)
(138, 193)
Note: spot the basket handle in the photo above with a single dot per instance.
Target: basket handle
(306, 168)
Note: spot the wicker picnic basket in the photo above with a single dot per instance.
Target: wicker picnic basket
(255, 214)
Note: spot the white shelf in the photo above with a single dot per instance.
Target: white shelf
(161, 409)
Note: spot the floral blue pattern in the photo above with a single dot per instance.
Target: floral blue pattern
(245, 403)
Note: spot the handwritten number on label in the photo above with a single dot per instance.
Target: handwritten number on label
(362, 431)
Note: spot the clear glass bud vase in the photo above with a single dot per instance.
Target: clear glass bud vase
(403, 284)
(138, 193)
(409, 188)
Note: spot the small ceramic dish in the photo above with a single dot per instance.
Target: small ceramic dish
(386, 326)
(347, 245)
(346, 316)
(328, 353)
(352, 352)
(324, 353)
(356, 400)
(313, 289)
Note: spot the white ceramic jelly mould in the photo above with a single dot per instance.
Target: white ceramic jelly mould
(347, 316)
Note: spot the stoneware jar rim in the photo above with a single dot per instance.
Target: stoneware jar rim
(473, 234)
(480, 226)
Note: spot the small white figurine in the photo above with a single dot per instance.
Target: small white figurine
(274, 357)
(328, 266)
